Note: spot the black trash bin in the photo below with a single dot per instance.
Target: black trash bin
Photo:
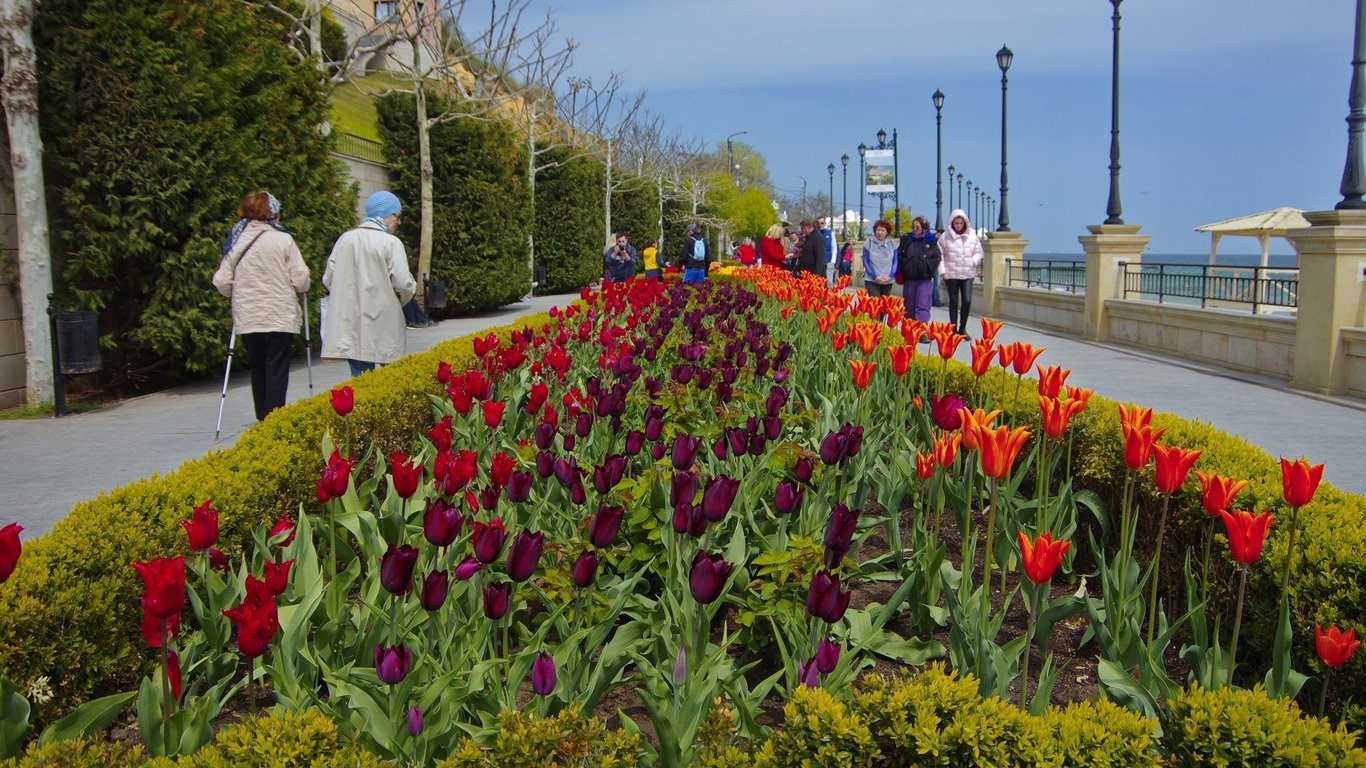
(436, 294)
(538, 277)
(78, 338)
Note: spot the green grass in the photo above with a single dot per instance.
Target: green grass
(353, 103)
(47, 408)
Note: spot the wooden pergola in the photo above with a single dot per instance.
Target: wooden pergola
(1262, 226)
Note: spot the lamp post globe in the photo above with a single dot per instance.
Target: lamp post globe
(938, 99)
(1004, 57)
(830, 169)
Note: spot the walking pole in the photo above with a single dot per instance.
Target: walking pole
(227, 368)
(308, 345)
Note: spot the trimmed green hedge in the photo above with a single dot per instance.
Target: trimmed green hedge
(569, 222)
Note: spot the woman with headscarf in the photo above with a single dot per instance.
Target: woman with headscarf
(879, 260)
(918, 258)
(263, 272)
(960, 252)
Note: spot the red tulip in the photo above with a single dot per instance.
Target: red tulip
(982, 354)
(343, 400)
(163, 580)
(1138, 444)
(283, 527)
(862, 371)
(152, 627)
(901, 358)
(1025, 355)
(217, 560)
(1335, 646)
(1042, 556)
(276, 576)
(1052, 379)
(336, 477)
(1246, 533)
(1299, 481)
(202, 527)
(1057, 414)
(500, 469)
(946, 448)
(990, 328)
(10, 549)
(1172, 467)
(406, 475)
(1218, 491)
(257, 619)
(1134, 416)
(999, 447)
(924, 465)
(493, 413)
(173, 672)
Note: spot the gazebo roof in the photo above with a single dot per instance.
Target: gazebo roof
(1269, 223)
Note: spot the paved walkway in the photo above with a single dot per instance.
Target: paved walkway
(48, 465)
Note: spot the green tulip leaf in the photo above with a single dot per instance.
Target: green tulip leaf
(14, 713)
(90, 717)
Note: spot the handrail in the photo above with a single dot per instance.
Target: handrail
(359, 147)
(1261, 287)
(1052, 274)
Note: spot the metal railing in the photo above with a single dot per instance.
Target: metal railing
(359, 147)
(1050, 274)
(1206, 285)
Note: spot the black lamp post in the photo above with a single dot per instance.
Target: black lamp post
(1354, 171)
(831, 170)
(982, 204)
(1003, 59)
(968, 208)
(844, 206)
(730, 155)
(951, 170)
(1113, 210)
(960, 191)
(883, 143)
(938, 98)
(862, 185)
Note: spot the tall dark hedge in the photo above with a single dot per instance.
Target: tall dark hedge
(482, 202)
(157, 116)
(569, 201)
(635, 211)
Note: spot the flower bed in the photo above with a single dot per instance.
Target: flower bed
(594, 493)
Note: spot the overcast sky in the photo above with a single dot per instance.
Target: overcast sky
(1228, 107)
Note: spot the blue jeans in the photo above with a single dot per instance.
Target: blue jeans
(360, 366)
(694, 276)
(654, 274)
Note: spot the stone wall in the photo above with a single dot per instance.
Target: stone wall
(1354, 343)
(13, 374)
(370, 177)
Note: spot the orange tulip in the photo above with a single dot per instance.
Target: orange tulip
(1246, 533)
(837, 339)
(1138, 445)
(1025, 355)
(1299, 481)
(823, 323)
(863, 372)
(1133, 415)
(867, 336)
(1042, 556)
(999, 448)
(990, 328)
(1077, 393)
(1057, 414)
(946, 448)
(924, 465)
(917, 403)
(1172, 467)
(1335, 646)
(1052, 379)
(974, 419)
(948, 342)
(982, 355)
(901, 358)
(896, 309)
(1218, 491)
(912, 330)
(843, 282)
(1006, 354)
(832, 313)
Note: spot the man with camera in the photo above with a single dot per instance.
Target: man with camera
(619, 260)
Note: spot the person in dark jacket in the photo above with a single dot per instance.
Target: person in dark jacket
(693, 256)
(918, 259)
(812, 256)
(619, 260)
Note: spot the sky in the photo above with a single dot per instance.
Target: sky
(1227, 107)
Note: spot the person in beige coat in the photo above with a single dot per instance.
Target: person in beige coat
(263, 272)
(368, 282)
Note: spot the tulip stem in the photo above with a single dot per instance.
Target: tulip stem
(1289, 557)
(1323, 694)
(167, 697)
(393, 620)
(1237, 623)
(1204, 561)
(989, 546)
(1029, 641)
(1157, 568)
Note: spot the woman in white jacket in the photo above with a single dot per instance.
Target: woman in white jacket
(960, 252)
(263, 272)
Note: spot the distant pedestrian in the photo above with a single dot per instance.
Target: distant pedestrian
(746, 253)
(771, 247)
(879, 260)
(846, 265)
(649, 256)
(693, 256)
(619, 260)
(828, 238)
(918, 257)
(368, 283)
(960, 253)
(811, 258)
(263, 272)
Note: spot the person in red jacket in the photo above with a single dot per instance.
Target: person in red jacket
(745, 252)
(771, 252)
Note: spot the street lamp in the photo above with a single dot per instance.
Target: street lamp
(938, 161)
(862, 185)
(831, 170)
(1003, 59)
(960, 191)
(951, 170)
(1113, 209)
(982, 204)
(1354, 171)
(883, 143)
(730, 154)
(967, 208)
(803, 178)
(844, 206)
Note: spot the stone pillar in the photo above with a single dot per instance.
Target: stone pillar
(998, 246)
(1106, 247)
(1332, 261)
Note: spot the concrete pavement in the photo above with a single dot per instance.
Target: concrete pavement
(48, 465)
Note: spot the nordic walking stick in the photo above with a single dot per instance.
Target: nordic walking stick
(308, 345)
(227, 368)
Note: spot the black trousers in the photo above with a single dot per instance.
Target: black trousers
(268, 354)
(960, 301)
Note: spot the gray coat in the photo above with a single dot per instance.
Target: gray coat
(368, 283)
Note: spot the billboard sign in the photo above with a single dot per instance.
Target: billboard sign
(880, 167)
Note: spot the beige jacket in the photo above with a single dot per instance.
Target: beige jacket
(263, 274)
(368, 283)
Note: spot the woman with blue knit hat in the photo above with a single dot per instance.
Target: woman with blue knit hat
(368, 282)
(263, 272)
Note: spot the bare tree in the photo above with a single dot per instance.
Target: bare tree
(19, 94)
(661, 158)
(616, 121)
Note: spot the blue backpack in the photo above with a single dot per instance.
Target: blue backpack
(699, 251)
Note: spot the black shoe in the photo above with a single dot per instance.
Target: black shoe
(939, 304)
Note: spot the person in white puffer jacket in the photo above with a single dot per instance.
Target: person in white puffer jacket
(960, 252)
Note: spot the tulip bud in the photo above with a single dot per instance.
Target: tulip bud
(392, 664)
(496, 599)
(584, 571)
(467, 568)
(524, 555)
(396, 569)
(414, 721)
(434, 590)
(681, 666)
(603, 527)
(827, 656)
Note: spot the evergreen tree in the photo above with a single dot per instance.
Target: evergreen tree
(568, 223)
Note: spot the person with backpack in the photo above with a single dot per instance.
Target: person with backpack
(693, 256)
(918, 257)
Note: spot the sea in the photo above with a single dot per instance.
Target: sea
(1275, 260)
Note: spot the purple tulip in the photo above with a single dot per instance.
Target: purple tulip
(615, 467)
(414, 721)
(781, 375)
(718, 449)
(803, 469)
(657, 450)
(684, 453)
(488, 498)
(635, 440)
(737, 438)
(855, 441)
(519, 486)
(761, 367)
(593, 387)
(783, 351)
(834, 447)
(583, 424)
(824, 600)
(543, 674)
(602, 483)
(467, 568)
(545, 463)
(566, 470)
(729, 374)
(488, 540)
(692, 351)
(724, 392)
(807, 674)
(576, 492)
(441, 522)
(524, 555)
(653, 428)
(584, 571)
(622, 365)
(757, 444)
(787, 498)
(605, 406)
(434, 590)
(946, 411)
(827, 656)
(396, 569)
(708, 577)
(682, 488)
(392, 664)
(773, 427)
(568, 442)
(839, 534)
(496, 598)
(688, 519)
(718, 497)
(603, 527)
(681, 373)
(544, 436)
(705, 378)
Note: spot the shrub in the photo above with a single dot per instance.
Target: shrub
(819, 731)
(1245, 728)
(569, 222)
(564, 739)
(308, 739)
(79, 753)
